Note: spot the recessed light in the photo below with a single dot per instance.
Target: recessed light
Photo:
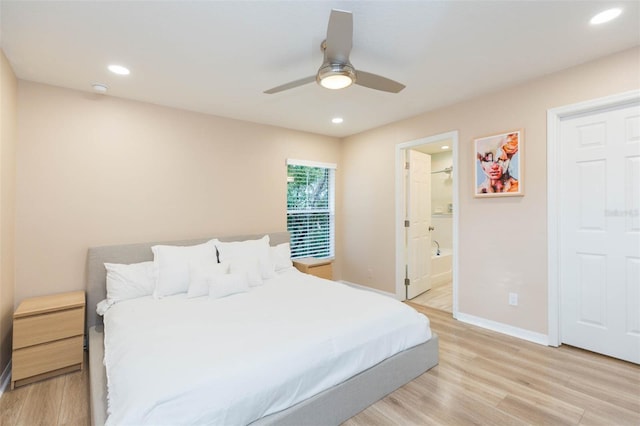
(337, 120)
(118, 69)
(444, 147)
(606, 16)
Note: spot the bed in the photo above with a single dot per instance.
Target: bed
(350, 393)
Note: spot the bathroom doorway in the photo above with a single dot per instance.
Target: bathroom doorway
(439, 259)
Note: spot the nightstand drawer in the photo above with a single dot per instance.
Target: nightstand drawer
(42, 328)
(46, 357)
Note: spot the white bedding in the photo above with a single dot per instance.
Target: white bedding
(233, 360)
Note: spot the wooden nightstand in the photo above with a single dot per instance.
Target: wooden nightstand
(48, 337)
(319, 267)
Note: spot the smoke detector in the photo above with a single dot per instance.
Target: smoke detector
(100, 88)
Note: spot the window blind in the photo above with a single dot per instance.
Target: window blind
(310, 208)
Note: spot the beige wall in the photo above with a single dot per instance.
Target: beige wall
(8, 137)
(97, 170)
(502, 242)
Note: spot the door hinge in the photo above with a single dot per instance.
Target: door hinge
(407, 282)
(406, 165)
(407, 223)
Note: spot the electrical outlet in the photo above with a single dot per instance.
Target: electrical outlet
(513, 299)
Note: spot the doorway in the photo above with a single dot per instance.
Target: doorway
(426, 241)
(594, 226)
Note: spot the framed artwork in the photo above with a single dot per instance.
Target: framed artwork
(498, 161)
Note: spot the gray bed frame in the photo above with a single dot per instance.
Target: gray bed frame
(330, 407)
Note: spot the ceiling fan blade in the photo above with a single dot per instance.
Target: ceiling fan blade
(339, 37)
(377, 82)
(291, 85)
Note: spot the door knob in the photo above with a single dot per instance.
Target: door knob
(431, 228)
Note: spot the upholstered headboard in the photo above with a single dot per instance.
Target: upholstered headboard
(134, 253)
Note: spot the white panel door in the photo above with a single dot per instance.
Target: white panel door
(419, 215)
(600, 232)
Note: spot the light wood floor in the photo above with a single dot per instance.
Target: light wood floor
(62, 400)
(439, 296)
(488, 378)
(483, 378)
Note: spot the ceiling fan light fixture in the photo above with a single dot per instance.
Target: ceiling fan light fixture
(336, 76)
(336, 71)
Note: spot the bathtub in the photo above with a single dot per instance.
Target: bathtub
(441, 266)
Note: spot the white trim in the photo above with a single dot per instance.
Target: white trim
(509, 330)
(309, 163)
(455, 220)
(329, 211)
(554, 117)
(5, 378)
(363, 287)
(399, 158)
(553, 216)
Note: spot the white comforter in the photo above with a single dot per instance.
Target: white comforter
(233, 360)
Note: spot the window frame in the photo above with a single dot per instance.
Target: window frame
(330, 211)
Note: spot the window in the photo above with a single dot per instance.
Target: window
(310, 208)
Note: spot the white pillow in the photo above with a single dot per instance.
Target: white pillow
(171, 265)
(201, 274)
(281, 256)
(249, 249)
(249, 267)
(226, 285)
(102, 307)
(129, 281)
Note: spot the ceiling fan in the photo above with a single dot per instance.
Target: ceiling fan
(336, 72)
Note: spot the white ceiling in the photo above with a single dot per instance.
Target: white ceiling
(218, 57)
(436, 147)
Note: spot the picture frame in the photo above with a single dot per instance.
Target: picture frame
(498, 163)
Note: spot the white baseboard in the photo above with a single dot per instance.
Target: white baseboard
(4, 378)
(364, 287)
(520, 333)
(541, 339)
